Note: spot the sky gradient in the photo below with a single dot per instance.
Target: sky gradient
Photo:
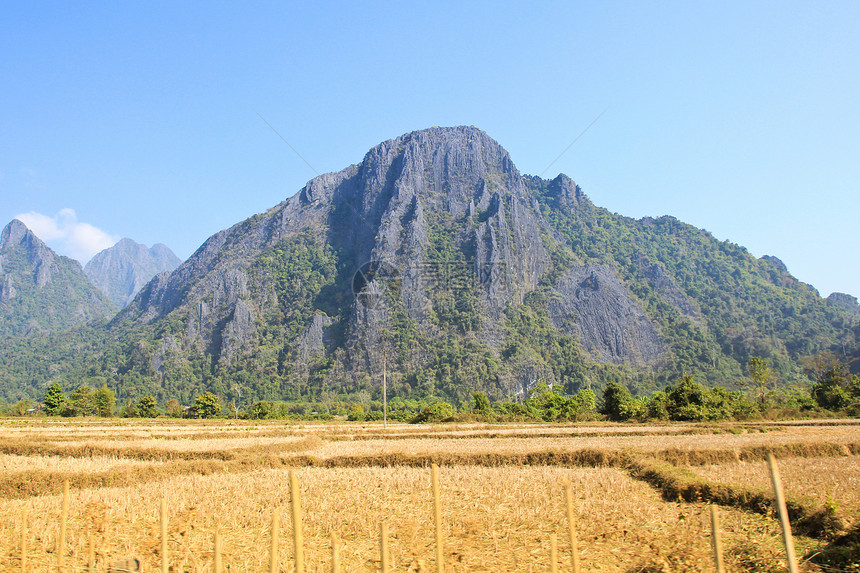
(142, 121)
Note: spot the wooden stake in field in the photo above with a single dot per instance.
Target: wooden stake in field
(783, 514)
(163, 535)
(335, 554)
(24, 540)
(571, 522)
(553, 553)
(716, 539)
(298, 534)
(273, 557)
(437, 519)
(383, 546)
(64, 518)
(217, 565)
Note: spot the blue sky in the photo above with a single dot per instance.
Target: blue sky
(140, 120)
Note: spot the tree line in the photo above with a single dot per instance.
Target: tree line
(834, 390)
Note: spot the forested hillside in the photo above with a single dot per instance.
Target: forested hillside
(435, 260)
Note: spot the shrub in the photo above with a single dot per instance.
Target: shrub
(260, 411)
(356, 413)
(438, 412)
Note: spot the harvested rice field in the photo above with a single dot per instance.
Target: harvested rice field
(641, 494)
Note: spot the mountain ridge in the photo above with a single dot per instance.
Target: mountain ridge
(436, 256)
(41, 291)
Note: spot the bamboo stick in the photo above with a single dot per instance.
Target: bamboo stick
(217, 565)
(163, 535)
(383, 546)
(783, 514)
(571, 521)
(437, 519)
(24, 540)
(553, 553)
(335, 554)
(64, 518)
(717, 541)
(273, 557)
(298, 534)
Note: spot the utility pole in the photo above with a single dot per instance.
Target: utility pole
(384, 392)
(238, 388)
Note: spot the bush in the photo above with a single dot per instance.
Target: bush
(656, 408)
(356, 413)
(616, 400)
(687, 400)
(438, 412)
(482, 403)
(260, 411)
(174, 409)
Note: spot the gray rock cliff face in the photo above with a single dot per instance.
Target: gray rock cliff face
(440, 206)
(662, 282)
(123, 269)
(597, 307)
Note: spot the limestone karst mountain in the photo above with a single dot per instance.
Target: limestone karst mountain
(436, 257)
(123, 269)
(41, 291)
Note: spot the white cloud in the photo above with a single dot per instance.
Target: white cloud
(68, 236)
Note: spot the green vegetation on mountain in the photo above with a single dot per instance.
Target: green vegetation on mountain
(495, 284)
(41, 291)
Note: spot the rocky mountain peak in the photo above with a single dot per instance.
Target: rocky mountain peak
(123, 269)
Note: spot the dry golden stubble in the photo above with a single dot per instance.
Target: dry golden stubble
(494, 519)
(832, 481)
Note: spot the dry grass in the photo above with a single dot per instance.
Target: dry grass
(501, 490)
(496, 519)
(829, 481)
(14, 464)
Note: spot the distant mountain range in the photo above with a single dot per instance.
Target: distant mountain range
(41, 291)
(436, 257)
(44, 292)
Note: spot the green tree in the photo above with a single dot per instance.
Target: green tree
(147, 407)
(23, 407)
(207, 405)
(760, 375)
(104, 401)
(482, 403)
(82, 401)
(616, 400)
(54, 399)
(686, 399)
(129, 410)
(260, 411)
(438, 412)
